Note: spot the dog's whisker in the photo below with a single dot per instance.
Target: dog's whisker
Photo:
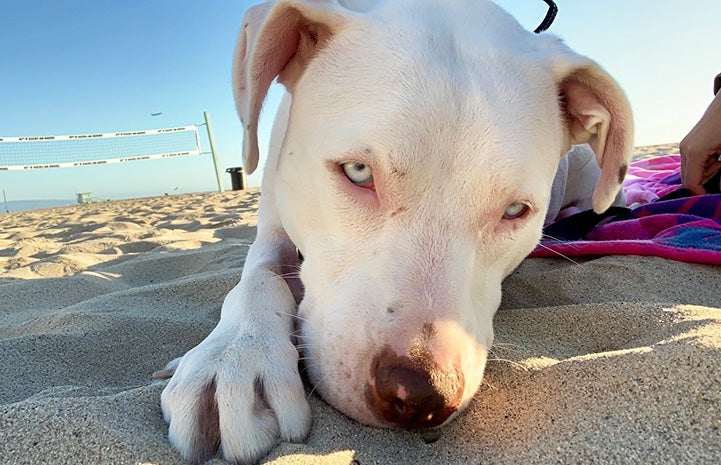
(315, 386)
(561, 255)
(490, 386)
(559, 240)
(500, 348)
(554, 238)
(288, 265)
(510, 362)
(495, 356)
(295, 316)
(307, 366)
(506, 345)
(290, 274)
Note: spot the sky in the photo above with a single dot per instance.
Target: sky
(82, 67)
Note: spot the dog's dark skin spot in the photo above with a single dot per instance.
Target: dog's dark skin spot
(622, 173)
(397, 173)
(208, 427)
(394, 307)
(397, 211)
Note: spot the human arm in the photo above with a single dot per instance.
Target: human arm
(700, 149)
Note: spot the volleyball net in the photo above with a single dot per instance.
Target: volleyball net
(28, 153)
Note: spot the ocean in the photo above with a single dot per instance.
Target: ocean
(22, 205)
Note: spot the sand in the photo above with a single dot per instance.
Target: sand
(609, 360)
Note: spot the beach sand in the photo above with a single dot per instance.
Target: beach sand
(609, 360)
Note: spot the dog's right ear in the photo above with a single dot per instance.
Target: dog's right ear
(594, 110)
(278, 39)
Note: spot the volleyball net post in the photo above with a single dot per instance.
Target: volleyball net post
(211, 141)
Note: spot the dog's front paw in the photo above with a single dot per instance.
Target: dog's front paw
(236, 397)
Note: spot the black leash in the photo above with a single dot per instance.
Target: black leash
(550, 16)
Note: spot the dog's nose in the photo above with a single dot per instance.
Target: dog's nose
(415, 393)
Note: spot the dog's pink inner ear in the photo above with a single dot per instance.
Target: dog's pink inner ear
(587, 118)
(597, 113)
(275, 41)
(287, 42)
(310, 38)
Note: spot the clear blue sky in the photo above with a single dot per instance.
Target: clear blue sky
(74, 67)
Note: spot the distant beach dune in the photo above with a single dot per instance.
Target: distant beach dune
(612, 360)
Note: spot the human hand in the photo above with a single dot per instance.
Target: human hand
(700, 149)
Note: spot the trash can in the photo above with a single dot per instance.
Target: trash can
(236, 178)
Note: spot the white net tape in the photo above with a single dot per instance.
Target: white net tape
(24, 153)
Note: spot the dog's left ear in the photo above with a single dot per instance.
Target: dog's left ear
(278, 39)
(595, 111)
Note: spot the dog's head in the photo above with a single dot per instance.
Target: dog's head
(414, 175)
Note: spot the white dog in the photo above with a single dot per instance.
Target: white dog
(411, 166)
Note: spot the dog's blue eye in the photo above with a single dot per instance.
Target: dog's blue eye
(358, 173)
(515, 210)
